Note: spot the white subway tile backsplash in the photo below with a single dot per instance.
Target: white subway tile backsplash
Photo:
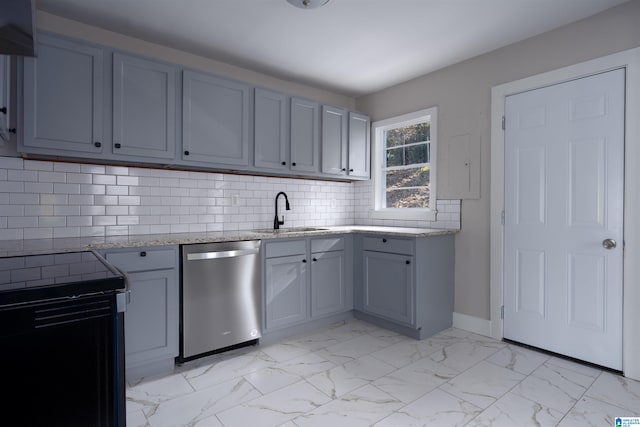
(66, 210)
(38, 233)
(106, 200)
(52, 221)
(52, 177)
(57, 199)
(117, 190)
(11, 187)
(54, 199)
(103, 180)
(92, 210)
(127, 180)
(38, 165)
(66, 188)
(105, 220)
(11, 234)
(92, 169)
(38, 187)
(24, 199)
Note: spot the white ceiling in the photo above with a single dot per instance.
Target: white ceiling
(352, 47)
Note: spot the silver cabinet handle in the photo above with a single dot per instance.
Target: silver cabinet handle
(609, 243)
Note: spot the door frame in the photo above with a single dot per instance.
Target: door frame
(630, 60)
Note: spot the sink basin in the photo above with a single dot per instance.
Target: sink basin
(289, 230)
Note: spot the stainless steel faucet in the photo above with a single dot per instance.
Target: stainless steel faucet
(276, 222)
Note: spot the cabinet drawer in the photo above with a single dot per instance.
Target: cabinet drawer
(388, 244)
(143, 259)
(326, 245)
(288, 248)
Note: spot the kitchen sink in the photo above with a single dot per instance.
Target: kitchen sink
(289, 230)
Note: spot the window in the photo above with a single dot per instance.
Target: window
(404, 171)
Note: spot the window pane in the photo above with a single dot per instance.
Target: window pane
(414, 177)
(409, 198)
(411, 155)
(408, 134)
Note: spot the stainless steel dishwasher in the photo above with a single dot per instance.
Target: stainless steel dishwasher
(221, 297)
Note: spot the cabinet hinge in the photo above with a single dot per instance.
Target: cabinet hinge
(503, 123)
(502, 311)
(502, 217)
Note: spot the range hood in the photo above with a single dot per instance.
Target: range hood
(17, 27)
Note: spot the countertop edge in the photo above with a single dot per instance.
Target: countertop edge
(44, 246)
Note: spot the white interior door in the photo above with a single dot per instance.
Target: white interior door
(564, 158)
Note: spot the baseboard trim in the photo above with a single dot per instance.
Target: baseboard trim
(472, 324)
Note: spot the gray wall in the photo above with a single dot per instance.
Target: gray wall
(462, 93)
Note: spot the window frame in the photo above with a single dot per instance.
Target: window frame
(378, 153)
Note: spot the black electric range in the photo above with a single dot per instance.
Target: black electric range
(44, 277)
(62, 340)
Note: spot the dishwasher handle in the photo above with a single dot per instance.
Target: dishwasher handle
(198, 256)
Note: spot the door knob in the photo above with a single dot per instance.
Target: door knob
(609, 243)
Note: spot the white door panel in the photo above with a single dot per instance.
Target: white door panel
(564, 156)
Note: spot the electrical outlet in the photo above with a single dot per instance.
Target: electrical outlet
(235, 200)
(334, 203)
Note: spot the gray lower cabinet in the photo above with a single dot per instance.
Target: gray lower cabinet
(151, 319)
(306, 279)
(63, 99)
(328, 287)
(286, 284)
(406, 284)
(215, 120)
(144, 108)
(389, 286)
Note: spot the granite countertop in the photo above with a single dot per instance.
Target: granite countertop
(44, 246)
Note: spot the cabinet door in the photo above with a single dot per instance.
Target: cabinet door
(270, 130)
(334, 140)
(215, 120)
(388, 286)
(144, 108)
(305, 135)
(63, 97)
(328, 287)
(359, 154)
(286, 291)
(151, 319)
(5, 90)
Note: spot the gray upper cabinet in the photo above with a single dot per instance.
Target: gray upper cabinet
(270, 130)
(83, 100)
(215, 120)
(6, 105)
(305, 135)
(359, 145)
(334, 140)
(144, 108)
(63, 98)
(5, 100)
(286, 137)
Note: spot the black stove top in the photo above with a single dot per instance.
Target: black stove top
(42, 277)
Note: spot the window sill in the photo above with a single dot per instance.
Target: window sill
(405, 214)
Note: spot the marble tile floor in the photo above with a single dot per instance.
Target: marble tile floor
(356, 374)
